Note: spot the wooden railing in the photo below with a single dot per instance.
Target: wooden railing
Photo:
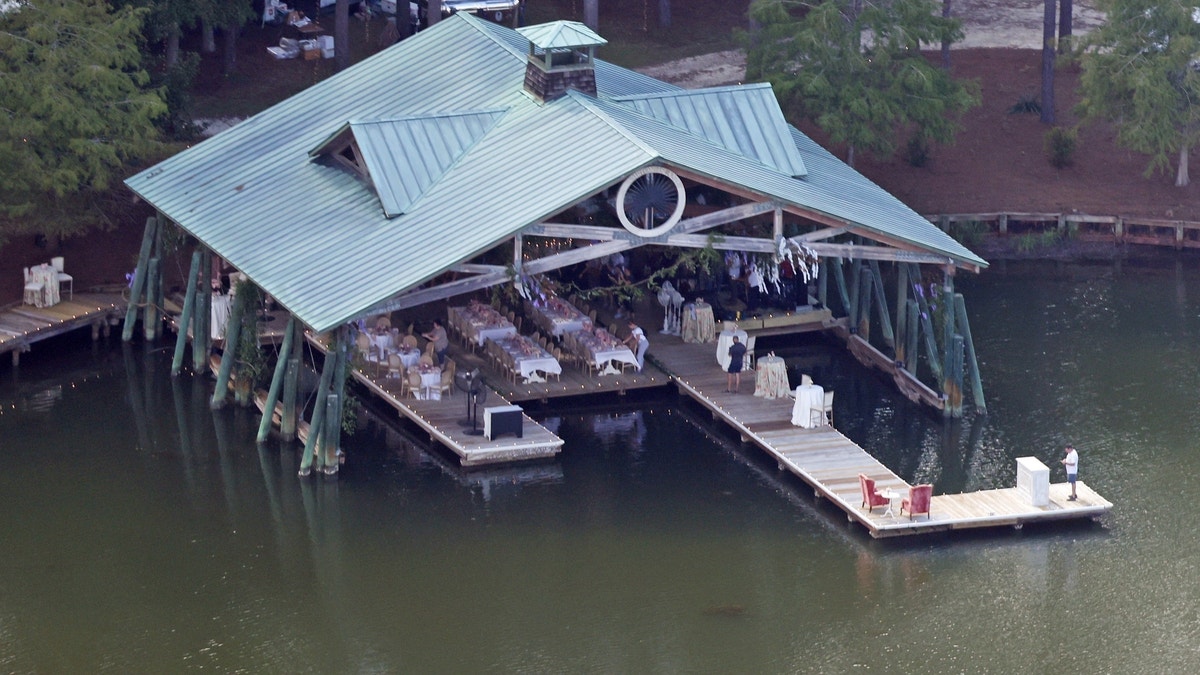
(1178, 234)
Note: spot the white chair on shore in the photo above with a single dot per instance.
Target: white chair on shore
(57, 263)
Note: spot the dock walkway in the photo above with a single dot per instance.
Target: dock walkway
(830, 463)
(21, 326)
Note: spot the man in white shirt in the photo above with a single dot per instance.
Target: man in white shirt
(1071, 461)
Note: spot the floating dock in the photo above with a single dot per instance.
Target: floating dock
(21, 326)
(830, 463)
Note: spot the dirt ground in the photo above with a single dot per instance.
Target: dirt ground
(997, 163)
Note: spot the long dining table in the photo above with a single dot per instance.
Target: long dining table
(556, 316)
(522, 356)
(479, 323)
(601, 349)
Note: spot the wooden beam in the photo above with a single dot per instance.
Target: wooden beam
(441, 292)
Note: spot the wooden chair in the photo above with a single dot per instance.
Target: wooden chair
(446, 387)
(425, 360)
(414, 383)
(410, 340)
(383, 323)
(917, 501)
(870, 496)
(395, 367)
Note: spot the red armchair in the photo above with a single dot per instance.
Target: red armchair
(871, 496)
(918, 500)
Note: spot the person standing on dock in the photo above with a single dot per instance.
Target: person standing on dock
(637, 343)
(737, 356)
(1071, 461)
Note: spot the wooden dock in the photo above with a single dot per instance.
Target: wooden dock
(21, 326)
(443, 421)
(830, 463)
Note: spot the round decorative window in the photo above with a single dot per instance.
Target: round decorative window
(650, 201)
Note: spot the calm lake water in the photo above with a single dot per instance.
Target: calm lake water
(146, 533)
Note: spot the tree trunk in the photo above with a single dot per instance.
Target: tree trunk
(850, 156)
(434, 12)
(1064, 25)
(591, 14)
(1048, 62)
(229, 62)
(172, 48)
(946, 43)
(1181, 176)
(341, 34)
(208, 43)
(664, 13)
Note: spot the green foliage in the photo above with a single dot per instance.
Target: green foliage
(1032, 241)
(1138, 73)
(1026, 105)
(176, 83)
(968, 232)
(75, 108)
(1060, 147)
(860, 76)
(251, 364)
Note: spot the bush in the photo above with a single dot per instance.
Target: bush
(1060, 147)
(1026, 104)
(968, 232)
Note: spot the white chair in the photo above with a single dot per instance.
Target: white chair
(824, 414)
(57, 263)
(35, 291)
(748, 362)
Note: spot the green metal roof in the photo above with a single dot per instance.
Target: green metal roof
(461, 158)
(561, 35)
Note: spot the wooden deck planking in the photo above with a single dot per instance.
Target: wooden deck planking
(21, 326)
(830, 463)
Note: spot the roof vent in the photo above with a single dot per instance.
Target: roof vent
(561, 55)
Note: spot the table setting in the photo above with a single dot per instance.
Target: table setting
(478, 322)
(698, 324)
(771, 378)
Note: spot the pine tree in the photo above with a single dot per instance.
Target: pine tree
(854, 67)
(1140, 72)
(75, 108)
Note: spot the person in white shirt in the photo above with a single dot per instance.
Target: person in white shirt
(638, 343)
(1071, 461)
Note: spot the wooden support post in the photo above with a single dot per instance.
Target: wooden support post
(264, 425)
(291, 383)
(864, 303)
(839, 280)
(885, 319)
(912, 333)
(948, 332)
(333, 421)
(202, 316)
(931, 349)
(518, 245)
(822, 283)
(1003, 226)
(318, 420)
(777, 224)
(139, 278)
(902, 325)
(233, 332)
(150, 316)
(954, 383)
(855, 286)
(185, 316)
(964, 329)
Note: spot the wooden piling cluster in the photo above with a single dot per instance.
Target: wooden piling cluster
(949, 354)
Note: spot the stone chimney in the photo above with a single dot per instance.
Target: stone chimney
(561, 56)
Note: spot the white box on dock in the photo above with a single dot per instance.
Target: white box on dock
(1033, 480)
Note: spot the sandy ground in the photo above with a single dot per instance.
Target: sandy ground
(986, 23)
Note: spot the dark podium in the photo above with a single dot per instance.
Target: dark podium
(502, 419)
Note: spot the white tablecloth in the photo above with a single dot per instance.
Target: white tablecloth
(409, 358)
(604, 359)
(724, 342)
(480, 323)
(697, 325)
(47, 276)
(219, 315)
(808, 397)
(431, 385)
(382, 342)
(770, 378)
(557, 316)
(527, 358)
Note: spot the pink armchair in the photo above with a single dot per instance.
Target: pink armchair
(917, 500)
(871, 496)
